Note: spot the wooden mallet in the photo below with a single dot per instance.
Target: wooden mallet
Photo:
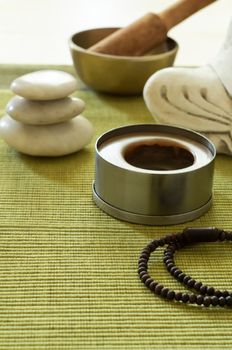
(148, 31)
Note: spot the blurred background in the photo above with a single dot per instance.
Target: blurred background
(37, 31)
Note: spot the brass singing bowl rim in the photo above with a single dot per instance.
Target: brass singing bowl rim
(149, 57)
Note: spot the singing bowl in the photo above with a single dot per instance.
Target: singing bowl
(121, 75)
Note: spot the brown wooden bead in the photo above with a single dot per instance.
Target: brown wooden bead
(173, 269)
(214, 300)
(168, 260)
(141, 269)
(152, 285)
(221, 301)
(218, 293)
(185, 297)
(228, 236)
(143, 263)
(192, 298)
(158, 288)
(191, 283)
(148, 282)
(169, 266)
(199, 300)
(142, 273)
(225, 293)
(222, 236)
(143, 258)
(186, 279)
(210, 290)
(229, 300)
(152, 246)
(181, 276)
(197, 285)
(177, 273)
(172, 249)
(178, 296)
(146, 250)
(206, 301)
(145, 277)
(169, 255)
(203, 289)
(164, 292)
(145, 255)
(170, 295)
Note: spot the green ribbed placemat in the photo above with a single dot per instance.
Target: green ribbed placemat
(68, 272)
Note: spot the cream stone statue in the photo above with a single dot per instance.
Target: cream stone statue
(196, 98)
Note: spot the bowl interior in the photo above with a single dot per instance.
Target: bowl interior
(87, 38)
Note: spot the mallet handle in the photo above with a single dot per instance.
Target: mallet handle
(181, 10)
(148, 31)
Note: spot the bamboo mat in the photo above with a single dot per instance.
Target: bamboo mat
(68, 272)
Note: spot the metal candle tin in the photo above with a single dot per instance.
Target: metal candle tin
(154, 174)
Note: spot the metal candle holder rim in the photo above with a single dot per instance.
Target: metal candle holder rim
(152, 196)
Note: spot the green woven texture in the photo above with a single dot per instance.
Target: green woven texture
(68, 272)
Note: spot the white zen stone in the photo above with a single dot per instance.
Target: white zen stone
(47, 140)
(44, 85)
(44, 112)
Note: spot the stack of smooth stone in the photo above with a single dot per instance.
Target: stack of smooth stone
(43, 120)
